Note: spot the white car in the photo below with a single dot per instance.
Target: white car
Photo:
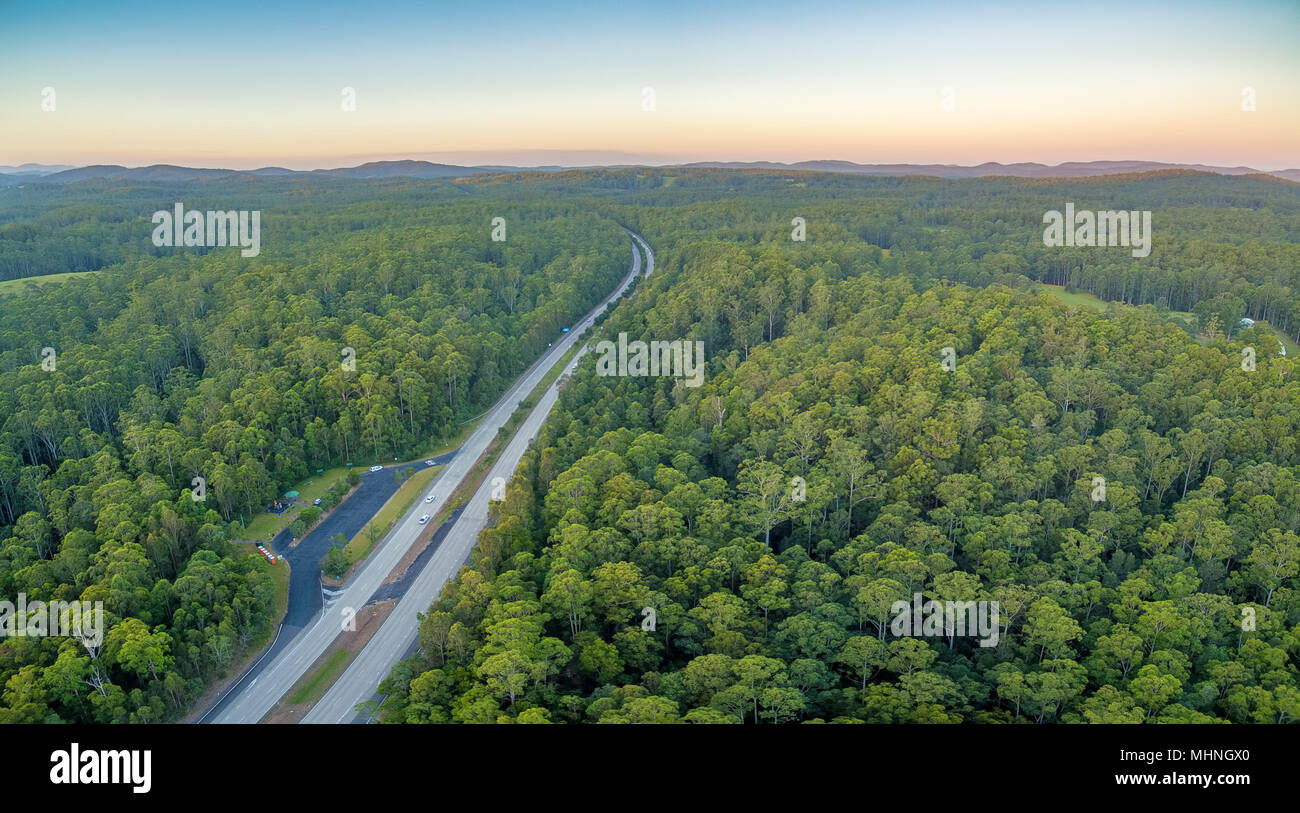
(428, 462)
(424, 519)
(428, 499)
(376, 468)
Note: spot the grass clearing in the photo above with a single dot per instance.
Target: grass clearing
(1075, 298)
(266, 525)
(16, 286)
(1184, 319)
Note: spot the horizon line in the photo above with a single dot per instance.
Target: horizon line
(642, 163)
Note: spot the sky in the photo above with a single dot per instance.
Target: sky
(248, 84)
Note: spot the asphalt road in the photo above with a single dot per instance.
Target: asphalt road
(306, 595)
(395, 638)
(348, 519)
(259, 690)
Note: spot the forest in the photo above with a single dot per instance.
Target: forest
(1173, 599)
(1170, 600)
(182, 363)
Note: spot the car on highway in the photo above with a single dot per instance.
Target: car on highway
(428, 462)
(424, 519)
(428, 499)
(376, 468)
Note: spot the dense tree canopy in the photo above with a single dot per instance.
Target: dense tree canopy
(651, 562)
(167, 368)
(1171, 599)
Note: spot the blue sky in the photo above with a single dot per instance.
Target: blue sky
(240, 84)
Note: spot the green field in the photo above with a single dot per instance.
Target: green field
(1075, 298)
(266, 525)
(15, 286)
(1185, 319)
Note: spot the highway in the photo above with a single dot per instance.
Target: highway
(395, 637)
(262, 687)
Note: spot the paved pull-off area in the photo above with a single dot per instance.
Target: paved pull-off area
(259, 690)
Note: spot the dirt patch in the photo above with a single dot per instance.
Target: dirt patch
(349, 643)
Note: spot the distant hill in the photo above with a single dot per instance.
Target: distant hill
(157, 172)
(1070, 169)
(167, 172)
(403, 169)
(427, 170)
(34, 170)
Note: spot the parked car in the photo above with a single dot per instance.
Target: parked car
(316, 501)
(376, 468)
(424, 519)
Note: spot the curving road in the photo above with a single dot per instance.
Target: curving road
(259, 690)
(396, 637)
